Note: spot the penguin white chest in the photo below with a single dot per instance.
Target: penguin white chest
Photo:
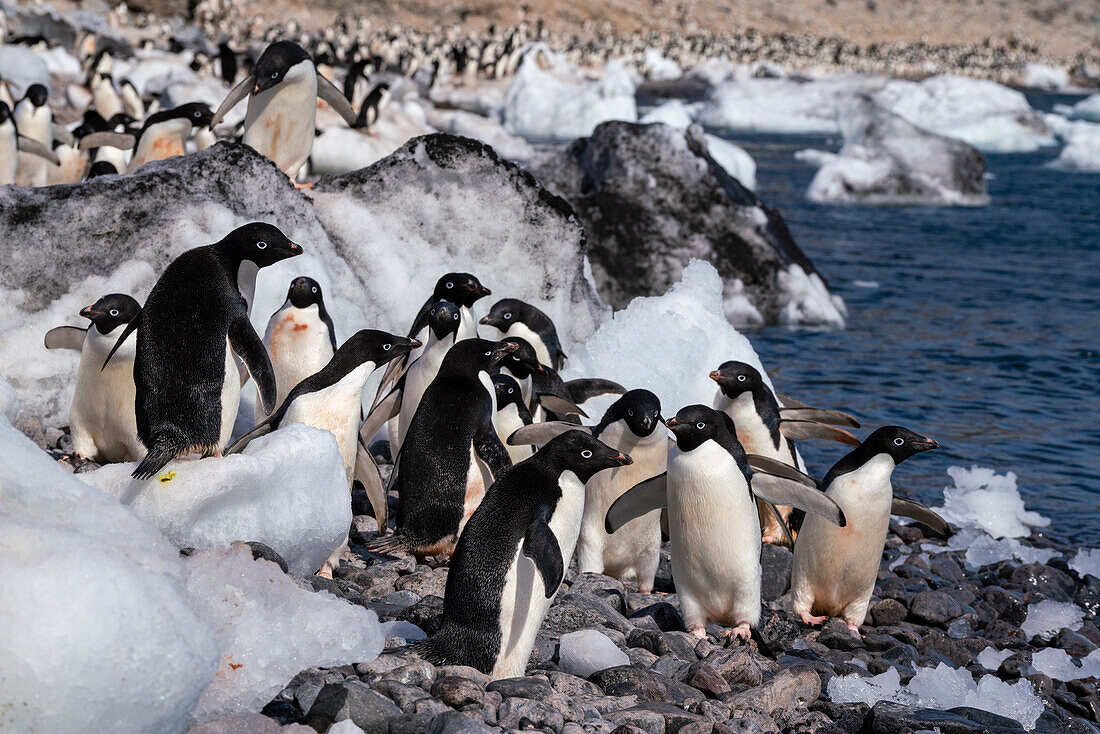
(478, 477)
(9, 153)
(102, 418)
(298, 343)
(33, 123)
(753, 435)
(508, 422)
(523, 331)
(523, 604)
(162, 140)
(467, 325)
(420, 374)
(281, 121)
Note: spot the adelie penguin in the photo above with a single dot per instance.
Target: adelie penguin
(300, 338)
(708, 490)
(512, 415)
(101, 420)
(450, 454)
(835, 568)
(196, 317)
(331, 399)
(164, 135)
(513, 317)
(34, 121)
(13, 146)
(372, 107)
(512, 556)
(765, 429)
(282, 93)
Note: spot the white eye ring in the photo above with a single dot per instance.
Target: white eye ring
(261, 245)
(740, 378)
(488, 353)
(314, 289)
(274, 75)
(511, 390)
(630, 413)
(456, 317)
(700, 425)
(114, 312)
(507, 316)
(586, 454)
(899, 441)
(448, 285)
(515, 358)
(387, 347)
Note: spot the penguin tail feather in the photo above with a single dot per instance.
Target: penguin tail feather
(386, 544)
(155, 459)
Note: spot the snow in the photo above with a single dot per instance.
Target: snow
(733, 159)
(991, 658)
(268, 629)
(942, 688)
(673, 113)
(20, 68)
(810, 300)
(688, 321)
(61, 62)
(100, 636)
(288, 490)
(658, 68)
(983, 499)
(584, 652)
(1060, 666)
(550, 98)
(1043, 76)
(1086, 562)
(347, 726)
(340, 149)
(1082, 144)
(1084, 109)
(989, 116)
(1047, 618)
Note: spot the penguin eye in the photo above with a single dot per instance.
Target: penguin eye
(261, 245)
(114, 312)
(511, 390)
(456, 317)
(448, 285)
(586, 454)
(433, 312)
(701, 425)
(274, 75)
(740, 378)
(899, 441)
(630, 413)
(314, 289)
(198, 113)
(488, 353)
(387, 347)
(507, 316)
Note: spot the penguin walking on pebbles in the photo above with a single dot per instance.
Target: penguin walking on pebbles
(835, 568)
(101, 420)
(300, 338)
(708, 490)
(282, 93)
(765, 429)
(450, 454)
(512, 556)
(196, 317)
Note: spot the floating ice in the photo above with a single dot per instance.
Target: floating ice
(584, 652)
(942, 688)
(1085, 109)
(549, 98)
(1086, 562)
(991, 658)
(1082, 144)
(268, 629)
(1046, 618)
(287, 490)
(1043, 76)
(733, 159)
(673, 113)
(984, 499)
(97, 632)
(1059, 665)
(810, 301)
(658, 68)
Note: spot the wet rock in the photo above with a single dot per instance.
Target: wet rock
(891, 718)
(1002, 724)
(665, 616)
(1036, 578)
(370, 710)
(934, 608)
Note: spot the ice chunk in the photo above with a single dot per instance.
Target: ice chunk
(405, 630)
(991, 658)
(340, 149)
(347, 726)
(1043, 76)
(1059, 665)
(1082, 145)
(809, 300)
(9, 401)
(673, 113)
(549, 98)
(985, 550)
(1085, 109)
(97, 631)
(658, 68)
(989, 116)
(268, 629)
(20, 68)
(287, 490)
(584, 652)
(733, 159)
(869, 690)
(1047, 617)
(1085, 563)
(983, 499)
(688, 321)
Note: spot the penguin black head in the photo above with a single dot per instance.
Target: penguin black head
(900, 443)
(304, 292)
(259, 242)
(119, 119)
(37, 94)
(5, 112)
(523, 361)
(735, 378)
(198, 114)
(276, 60)
(508, 311)
(371, 345)
(508, 391)
(111, 311)
(443, 319)
(476, 355)
(581, 453)
(102, 168)
(696, 424)
(639, 409)
(460, 288)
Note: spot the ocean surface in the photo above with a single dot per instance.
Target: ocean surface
(978, 326)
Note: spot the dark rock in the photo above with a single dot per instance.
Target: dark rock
(748, 721)
(934, 608)
(370, 710)
(458, 692)
(776, 563)
(404, 695)
(411, 723)
(779, 629)
(453, 722)
(1038, 578)
(892, 718)
(465, 671)
(1075, 643)
(838, 637)
(663, 614)
(661, 643)
(1007, 605)
(848, 717)
(674, 718)
(264, 553)
(425, 583)
(739, 665)
(571, 612)
(603, 587)
(569, 685)
(284, 712)
(412, 673)
(991, 720)
(708, 680)
(533, 688)
(514, 710)
(625, 680)
(797, 687)
(425, 614)
(641, 720)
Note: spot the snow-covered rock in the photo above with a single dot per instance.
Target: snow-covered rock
(983, 499)
(584, 652)
(887, 160)
(1044, 76)
(288, 490)
(989, 116)
(549, 98)
(486, 129)
(1085, 109)
(652, 198)
(97, 631)
(268, 629)
(733, 159)
(1046, 618)
(340, 149)
(657, 67)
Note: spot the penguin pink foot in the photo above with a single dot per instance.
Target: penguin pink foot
(810, 620)
(700, 632)
(301, 186)
(855, 630)
(740, 632)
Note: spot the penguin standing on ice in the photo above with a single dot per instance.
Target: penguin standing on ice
(300, 338)
(835, 568)
(188, 387)
(163, 135)
(708, 490)
(512, 415)
(513, 317)
(101, 420)
(765, 429)
(450, 454)
(282, 92)
(13, 146)
(512, 556)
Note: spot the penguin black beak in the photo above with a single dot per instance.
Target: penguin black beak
(88, 312)
(414, 344)
(482, 291)
(926, 444)
(716, 376)
(623, 459)
(295, 249)
(673, 424)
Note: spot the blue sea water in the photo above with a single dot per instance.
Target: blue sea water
(977, 326)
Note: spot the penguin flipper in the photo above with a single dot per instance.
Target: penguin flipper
(553, 394)
(32, 146)
(774, 512)
(366, 471)
(561, 406)
(819, 415)
(641, 499)
(584, 389)
(130, 327)
(329, 92)
(60, 132)
(790, 402)
(235, 95)
(783, 491)
(248, 346)
(66, 337)
(107, 139)
(916, 511)
(386, 409)
(778, 468)
(537, 434)
(799, 430)
(541, 546)
(489, 449)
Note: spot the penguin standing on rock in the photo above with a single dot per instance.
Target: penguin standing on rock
(282, 93)
(835, 568)
(300, 338)
(101, 419)
(163, 135)
(512, 556)
(450, 453)
(188, 387)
